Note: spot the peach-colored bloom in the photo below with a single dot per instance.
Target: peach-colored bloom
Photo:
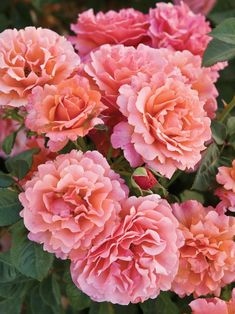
(213, 306)
(226, 177)
(113, 66)
(72, 203)
(8, 126)
(227, 200)
(199, 6)
(207, 260)
(137, 260)
(209, 306)
(128, 27)
(166, 125)
(64, 111)
(201, 79)
(176, 27)
(31, 57)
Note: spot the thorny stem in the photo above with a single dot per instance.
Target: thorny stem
(228, 108)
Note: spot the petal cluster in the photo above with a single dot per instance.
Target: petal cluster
(75, 203)
(226, 193)
(137, 260)
(207, 259)
(127, 27)
(166, 125)
(31, 57)
(213, 306)
(199, 6)
(178, 28)
(64, 111)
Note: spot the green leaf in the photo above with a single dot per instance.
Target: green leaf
(50, 293)
(20, 165)
(101, 308)
(4, 22)
(225, 31)
(38, 306)
(28, 257)
(192, 195)
(232, 140)
(10, 207)
(161, 305)
(231, 125)
(8, 143)
(216, 51)
(219, 132)
(11, 305)
(219, 17)
(77, 298)
(130, 309)
(5, 180)
(208, 169)
(8, 272)
(7, 290)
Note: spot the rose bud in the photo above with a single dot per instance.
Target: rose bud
(144, 178)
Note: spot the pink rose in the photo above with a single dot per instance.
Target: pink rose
(72, 203)
(64, 111)
(176, 27)
(166, 125)
(207, 259)
(128, 27)
(31, 57)
(227, 200)
(209, 306)
(113, 66)
(201, 79)
(213, 306)
(199, 6)
(226, 177)
(137, 260)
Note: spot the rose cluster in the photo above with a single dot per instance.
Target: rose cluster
(140, 78)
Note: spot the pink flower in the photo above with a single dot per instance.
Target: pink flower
(207, 260)
(31, 57)
(201, 79)
(137, 260)
(213, 306)
(227, 200)
(128, 27)
(113, 66)
(8, 126)
(72, 203)
(209, 306)
(176, 27)
(64, 111)
(226, 177)
(199, 6)
(166, 125)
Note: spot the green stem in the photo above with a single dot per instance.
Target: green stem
(173, 179)
(229, 107)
